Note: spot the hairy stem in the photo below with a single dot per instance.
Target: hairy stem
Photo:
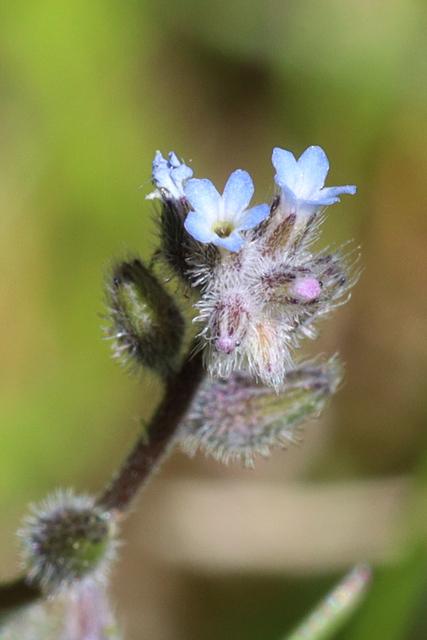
(142, 461)
(16, 594)
(151, 447)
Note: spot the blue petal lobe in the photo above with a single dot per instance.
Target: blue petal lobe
(286, 167)
(198, 227)
(173, 159)
(181, 173)
(234, 242)
(203, 197)
(331, 192)
(314, 167)
(237, 194)
(161, 173)
(254, 216)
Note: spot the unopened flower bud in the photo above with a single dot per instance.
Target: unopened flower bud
(237, 419)
(65, 539)
(146, 325)
(305, 289)
(268, 352)
(229, 323)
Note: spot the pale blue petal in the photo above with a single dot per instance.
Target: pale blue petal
(159, 159)
(161, 173)
(286, 167)
(160, 165)
(178, 171)
(173, 159)
(254, 216)
(181, 173)
(234, 242)
(331, 192)
(237, 194)
(198, 227)
(203, 197)
(314, 167)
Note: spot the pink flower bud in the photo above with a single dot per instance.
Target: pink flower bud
(306, 289)
(230, 322)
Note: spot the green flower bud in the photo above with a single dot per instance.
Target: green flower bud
(146, 325)
(64, 539)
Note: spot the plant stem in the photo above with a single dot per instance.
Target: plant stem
(152, 446)
(16, 594)
(144, 458)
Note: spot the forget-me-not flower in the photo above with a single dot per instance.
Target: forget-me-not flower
(301, 181)
(219, 219)
(170, 175)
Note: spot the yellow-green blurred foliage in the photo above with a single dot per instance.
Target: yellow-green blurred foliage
(89, 91)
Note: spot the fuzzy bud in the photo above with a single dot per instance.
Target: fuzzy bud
(146, 325)
(306, 289)
(268, 352)
(65, 539)
(237, 419)
(229, 323)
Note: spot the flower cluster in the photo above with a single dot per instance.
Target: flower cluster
(261, 286)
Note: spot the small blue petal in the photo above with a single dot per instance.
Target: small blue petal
(286, 167)
(203, 197)
(234, 242)
(331, 192)
(160, 165)
(173, 159)
(198, 227)
(237, 194)
(254, 216)
(181, 173)
(314, 167)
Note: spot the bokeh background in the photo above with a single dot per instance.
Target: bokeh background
(88, 92)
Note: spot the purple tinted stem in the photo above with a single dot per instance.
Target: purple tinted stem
(150, 449)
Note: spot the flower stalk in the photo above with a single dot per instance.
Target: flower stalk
(153, 445)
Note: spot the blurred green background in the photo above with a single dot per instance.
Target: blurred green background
(88, 92)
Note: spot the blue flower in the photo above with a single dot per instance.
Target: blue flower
(219, 219)
(170, 175)
(301, 181)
